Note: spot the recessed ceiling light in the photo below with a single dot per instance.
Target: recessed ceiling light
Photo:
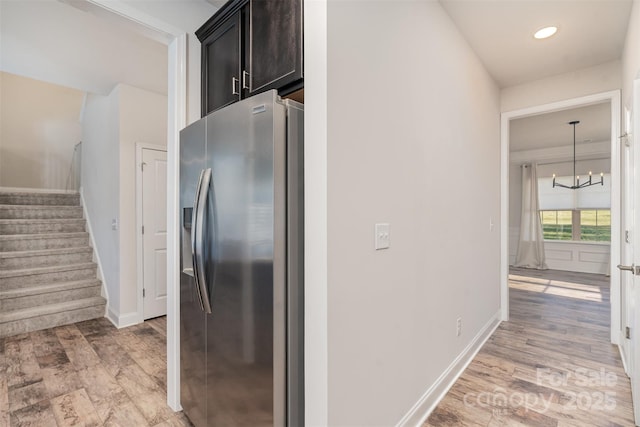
(545, 32)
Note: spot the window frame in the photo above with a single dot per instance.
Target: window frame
(576, 225)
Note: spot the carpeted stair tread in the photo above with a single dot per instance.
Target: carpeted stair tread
(21, 221)
(70, 235)
(42, 252)
(32, 312)
(46, 294)
(44, 289)
(41, 226)
(44, 270)
(40, 207)
(27, 242)
(39, 211)
(38, 198)
(20, 260)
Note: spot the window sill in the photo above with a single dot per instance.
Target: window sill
(579, 242)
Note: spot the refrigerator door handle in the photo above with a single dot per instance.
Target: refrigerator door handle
(194, 232)
(198, 240)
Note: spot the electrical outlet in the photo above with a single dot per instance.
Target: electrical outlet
(459, 326)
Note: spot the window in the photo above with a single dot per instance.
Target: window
(587, 225)
(556, 225)
(595, 225)
(578, 215)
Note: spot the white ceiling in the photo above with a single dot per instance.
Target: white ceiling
(552, 129)
(65, 42)
(51, 41)
(591, 32)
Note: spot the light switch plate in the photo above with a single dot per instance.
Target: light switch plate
(383, 236)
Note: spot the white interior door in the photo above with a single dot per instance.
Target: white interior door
(154, 236)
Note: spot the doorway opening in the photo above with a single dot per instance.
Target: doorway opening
(609, 100)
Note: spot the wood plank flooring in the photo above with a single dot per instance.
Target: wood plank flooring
(87, 374)
(552, 364)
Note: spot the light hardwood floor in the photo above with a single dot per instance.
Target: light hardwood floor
(86, 374)
(552, 364)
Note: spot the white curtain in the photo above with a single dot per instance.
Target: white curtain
(531, 244)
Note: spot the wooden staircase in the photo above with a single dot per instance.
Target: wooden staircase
(47, 276)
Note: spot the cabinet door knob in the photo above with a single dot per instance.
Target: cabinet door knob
(234, 84)
(245, 79)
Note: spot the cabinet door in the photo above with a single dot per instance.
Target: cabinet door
(221, 78)
(275, 51)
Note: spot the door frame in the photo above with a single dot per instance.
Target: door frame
(613, 97)
(632, 129)
(176, 41)
(139, 240)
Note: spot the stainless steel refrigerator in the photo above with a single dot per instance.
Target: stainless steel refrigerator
(241, 282)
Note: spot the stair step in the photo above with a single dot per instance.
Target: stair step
(30, 198)
(34, 226)
(35, 296)
(17, 260)
(39, 212)
(51, 315)
(28, 242)
(15, 279)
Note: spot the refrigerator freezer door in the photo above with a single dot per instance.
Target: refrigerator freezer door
(192, 317)
(246, 329)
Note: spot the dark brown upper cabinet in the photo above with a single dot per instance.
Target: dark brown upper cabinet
(250, 46)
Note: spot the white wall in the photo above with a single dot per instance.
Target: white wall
(112, 126)
(631, 55)
(143, 118)
(418, 147)
(188, 16)
(581, 257)
(601, 78)
(101, 183)
(39, 127)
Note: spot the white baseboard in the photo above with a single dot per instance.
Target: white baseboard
(622, 355)
(430, 399)
(113, 317)
(36, 190)
(122, 320)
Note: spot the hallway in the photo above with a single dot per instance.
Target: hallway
(552, 364)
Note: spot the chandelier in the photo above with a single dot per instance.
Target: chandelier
(576, 183)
